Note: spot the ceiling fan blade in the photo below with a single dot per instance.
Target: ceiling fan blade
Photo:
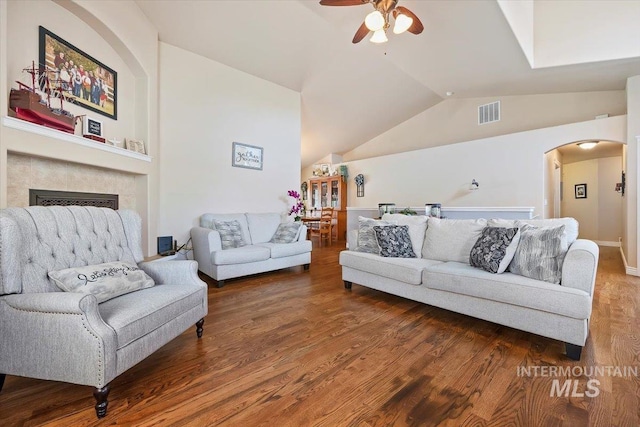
(360, 34)
(416, 27)
(343, 2)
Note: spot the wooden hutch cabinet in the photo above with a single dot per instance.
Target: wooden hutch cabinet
(330, 191)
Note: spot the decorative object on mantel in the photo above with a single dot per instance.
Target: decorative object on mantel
(378, 21)
(82, 79)
(39, 105)
(359, 185)
(474, 185)
(246, 156)
(92, 129)
(115, 142)
(407, 211)
(304, 187)
(384, 208)
(298, 205)
(433, 209)
(135, 145)
(344, 172)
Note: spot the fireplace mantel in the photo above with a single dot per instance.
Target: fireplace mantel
(88, 152)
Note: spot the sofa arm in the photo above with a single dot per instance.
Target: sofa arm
(352, 239)
(580, 266)
(303, 233)
(63, 334)
(204, 241)
(173, 272)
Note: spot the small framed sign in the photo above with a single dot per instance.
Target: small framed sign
(92, 128)
(246, 156)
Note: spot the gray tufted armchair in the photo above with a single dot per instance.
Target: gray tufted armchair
(70, 337)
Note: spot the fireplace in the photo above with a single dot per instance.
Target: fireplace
(69, 198)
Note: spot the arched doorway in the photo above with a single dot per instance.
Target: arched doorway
(583, 184)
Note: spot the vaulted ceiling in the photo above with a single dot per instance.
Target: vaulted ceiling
(352, 93)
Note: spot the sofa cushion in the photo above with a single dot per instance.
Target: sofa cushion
(249, 253)
(281, 250)
(508, 288)
(206, 221)
(417, 226)
(367, 241)
(105, 281)
(394, 241)
(231, 235)
(494, 249)
(540, 253)
(451, 239)
(262, 226)
(287, 232)
(570, 231)
(136, 314)
(408, 270)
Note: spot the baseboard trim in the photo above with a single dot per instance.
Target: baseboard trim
(632, 271)
(606, 243)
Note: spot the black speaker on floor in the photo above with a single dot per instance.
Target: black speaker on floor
(165, 245)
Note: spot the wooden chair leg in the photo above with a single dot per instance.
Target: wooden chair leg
(101, 395)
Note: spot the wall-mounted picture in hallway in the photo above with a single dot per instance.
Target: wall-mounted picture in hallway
(581, 191)
(82, 79)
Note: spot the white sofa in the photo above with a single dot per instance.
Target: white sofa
(257, 256)
(558, 311)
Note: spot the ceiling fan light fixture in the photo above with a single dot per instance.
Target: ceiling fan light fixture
(587, 145)
(374, 21)
(379, 36)
(403, 22)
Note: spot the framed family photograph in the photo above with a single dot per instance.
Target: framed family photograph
(82, 79)
(581, 191)
(246, 156)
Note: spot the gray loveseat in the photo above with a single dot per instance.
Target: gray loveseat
(69, 336)
(257, 254)
(442, 277)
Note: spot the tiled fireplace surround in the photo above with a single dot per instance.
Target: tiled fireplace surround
(26, 172)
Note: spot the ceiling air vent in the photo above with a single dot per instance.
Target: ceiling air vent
(489, 113)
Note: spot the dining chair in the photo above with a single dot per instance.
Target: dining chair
(324, 227)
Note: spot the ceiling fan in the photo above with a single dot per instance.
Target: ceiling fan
(378, 20)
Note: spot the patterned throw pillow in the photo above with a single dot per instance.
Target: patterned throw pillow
(230, 234)
(287, 232)
(540, 253)
(495, 249)
(105, 281)
(394, 241)
(366, 237)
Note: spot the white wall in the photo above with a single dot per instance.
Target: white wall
(456, 120)
(205, 106)
(509, 168)
(631, 199)
(552, 158)
(600, 214)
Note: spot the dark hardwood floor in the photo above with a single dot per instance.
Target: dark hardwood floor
(294, 348)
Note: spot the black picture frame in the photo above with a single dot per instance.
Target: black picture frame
(102, 95)
(581, 191)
